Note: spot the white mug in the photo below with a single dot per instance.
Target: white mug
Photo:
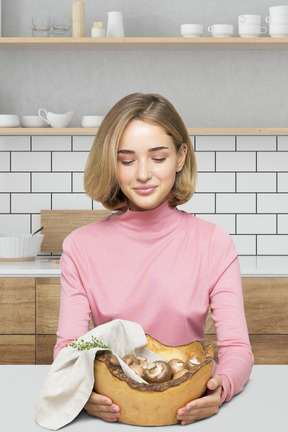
(56, 120)
(249, 19)
(221, 30)
(191, 30)
(251, 30)
(115, 27)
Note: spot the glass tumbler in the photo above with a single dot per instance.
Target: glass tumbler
(61, 26)
(41, 26)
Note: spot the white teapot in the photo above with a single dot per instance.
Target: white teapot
(56, 120)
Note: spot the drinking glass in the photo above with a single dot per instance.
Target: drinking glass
(41, 26)
(61, 26)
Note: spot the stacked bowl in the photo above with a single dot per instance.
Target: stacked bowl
(278, 21)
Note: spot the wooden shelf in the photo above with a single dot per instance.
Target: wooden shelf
(179, 43)
(192, 131)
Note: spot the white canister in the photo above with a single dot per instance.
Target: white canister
(115, 27)
(98, 30)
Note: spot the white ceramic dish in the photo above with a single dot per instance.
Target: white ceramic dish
(191, 30)
(33, 122)
(91, 121)
(9, 120)
(21, 246)
(278, 10)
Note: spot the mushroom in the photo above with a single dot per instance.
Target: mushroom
(192, 364)
(179, 373)
(158, 372)
(138, 369)
(129, 359)
(143, 361)
(176, 365)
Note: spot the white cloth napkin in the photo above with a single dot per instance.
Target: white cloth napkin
(70, 381)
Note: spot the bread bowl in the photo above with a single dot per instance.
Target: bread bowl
(154, 404)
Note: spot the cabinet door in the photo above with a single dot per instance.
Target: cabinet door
(17, 349)
(47, 305)
(47, 315)
(17, 306)
(17, 320)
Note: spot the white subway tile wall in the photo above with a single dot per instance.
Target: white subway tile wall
(242, 185)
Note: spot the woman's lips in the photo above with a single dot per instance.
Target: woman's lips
(144, 190)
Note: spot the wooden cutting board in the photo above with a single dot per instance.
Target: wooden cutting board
(59, 223)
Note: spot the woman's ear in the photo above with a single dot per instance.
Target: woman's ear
(181, 155)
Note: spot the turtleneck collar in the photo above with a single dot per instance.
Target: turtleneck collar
(148, 223)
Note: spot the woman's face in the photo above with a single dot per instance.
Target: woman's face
(147, 164)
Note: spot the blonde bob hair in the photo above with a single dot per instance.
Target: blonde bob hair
(100, 176)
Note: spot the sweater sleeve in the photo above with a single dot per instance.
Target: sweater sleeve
(227, 310)
(75, 311)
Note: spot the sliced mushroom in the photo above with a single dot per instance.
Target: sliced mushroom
(129, 359)
(158, 372)
(176, 365)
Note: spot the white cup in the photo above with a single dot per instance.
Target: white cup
(278, 30)
(278, 10)
(9, 120)
(251, 30)
(277, 19)
(221, 30)
(249, 19)
(191, 30)
(91, 121)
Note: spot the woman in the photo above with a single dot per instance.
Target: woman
(149, 262)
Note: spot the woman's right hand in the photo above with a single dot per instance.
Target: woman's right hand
(102, 407)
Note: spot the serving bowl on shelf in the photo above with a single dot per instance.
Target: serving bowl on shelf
(154, 404)
(9, 120)
(23, 247)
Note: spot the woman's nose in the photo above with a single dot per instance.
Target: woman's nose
(143, 172)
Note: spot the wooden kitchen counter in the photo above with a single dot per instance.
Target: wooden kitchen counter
(260, 407)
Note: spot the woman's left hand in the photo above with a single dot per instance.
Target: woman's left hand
(205, 406)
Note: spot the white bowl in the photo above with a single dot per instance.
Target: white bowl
(21, 246)
(33, 122)
(91, 121)
(278, 30)
(9, 120)
(278, 10)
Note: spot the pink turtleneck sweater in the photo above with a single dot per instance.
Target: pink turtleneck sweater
(161, 268)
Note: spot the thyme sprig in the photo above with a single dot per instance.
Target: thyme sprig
(82, 345)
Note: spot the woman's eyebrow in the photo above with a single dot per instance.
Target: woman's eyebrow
(150, 150)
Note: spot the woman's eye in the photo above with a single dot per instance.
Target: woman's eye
(159, 159)
(126, 162)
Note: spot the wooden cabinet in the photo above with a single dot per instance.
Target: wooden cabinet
(17, 321)
(29, 310)
(265, 302)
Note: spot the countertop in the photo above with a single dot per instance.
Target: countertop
(261, 406)
(251, 266)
